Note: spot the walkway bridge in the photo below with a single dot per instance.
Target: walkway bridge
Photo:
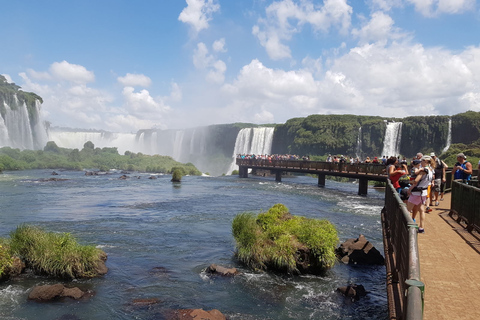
(364, 172)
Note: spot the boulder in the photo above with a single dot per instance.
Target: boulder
(353, 291)
(54, 173)
(56, 291)
(197, 314)
(222, 271)
(145, 302)
(101, 268)
(46, 292)
(359, 251)
(123, 177)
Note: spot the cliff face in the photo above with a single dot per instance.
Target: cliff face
(363, 135)
(21, 126)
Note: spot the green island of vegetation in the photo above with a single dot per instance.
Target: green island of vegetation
(282, 242)
(49, 253)
(104, 159)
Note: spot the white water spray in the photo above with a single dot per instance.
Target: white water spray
(252, 141)
(359, 143)
(449, 137)
(391, 142)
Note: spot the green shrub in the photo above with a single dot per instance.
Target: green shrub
(54, 254)
(5, 257)
(276, 239)
(177, 175)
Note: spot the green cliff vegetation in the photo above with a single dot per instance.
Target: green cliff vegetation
(280, 241)
(50, 253)
(8, 91)
(54, 157)
(323, 134)
(351, 135)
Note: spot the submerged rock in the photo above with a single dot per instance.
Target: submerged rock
(359, 251)
(56, 291)
(222, 271)
(197, 314)
(353, 291)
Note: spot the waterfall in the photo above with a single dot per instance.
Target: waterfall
(252, 141)
(19, 129)
(391, 142)
(359, 143)
(449, 137)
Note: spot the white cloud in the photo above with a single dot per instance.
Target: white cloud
(217, 74)
(8, 78)
(134, 80)
(379, 28)
(203, 60)
(286, 18)
(431, 8)
(71, 72)
(219, 45)
(384, 5)
(198, 13)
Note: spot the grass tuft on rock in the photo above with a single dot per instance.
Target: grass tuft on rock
(54, 254)
(280, 241)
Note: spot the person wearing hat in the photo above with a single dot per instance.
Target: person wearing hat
(462, 169)
(418, 192)
(440, 179)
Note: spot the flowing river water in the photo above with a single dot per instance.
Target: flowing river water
(160, 237)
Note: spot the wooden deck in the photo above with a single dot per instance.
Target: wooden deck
(449, 267)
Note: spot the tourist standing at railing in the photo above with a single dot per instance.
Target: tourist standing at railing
(418, 192)
(462, 169)
(440, 179)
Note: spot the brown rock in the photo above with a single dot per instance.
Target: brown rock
(46, 292)
(101, 267)
(74, 293)
(196, 314)
(353, 291)
(214, 269)
(359, 251)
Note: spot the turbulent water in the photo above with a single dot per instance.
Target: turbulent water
(160, 236)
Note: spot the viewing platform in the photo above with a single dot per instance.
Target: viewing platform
(450, 266)
(361, 171)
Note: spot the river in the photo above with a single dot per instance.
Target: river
(160, 236)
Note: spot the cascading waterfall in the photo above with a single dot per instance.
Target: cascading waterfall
(256, 141)
(359, 143)
(393, 136)
(19, 130)
(449, 137)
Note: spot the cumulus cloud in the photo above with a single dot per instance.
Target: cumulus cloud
(435, 7)
(398, 80)
(202, 59)
(71, 72)
(219, 45)
(286, 18)
(8, 78)
(198, 13)
(378, 28)
(134, 80)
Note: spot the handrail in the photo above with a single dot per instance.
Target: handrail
(366, 168)
(465, 204)
(404, 288)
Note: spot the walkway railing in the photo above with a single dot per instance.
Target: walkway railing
(367, 168)
(404, 288)
(466, 204)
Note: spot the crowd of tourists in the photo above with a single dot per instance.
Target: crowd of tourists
(423, 185)
(420, 183)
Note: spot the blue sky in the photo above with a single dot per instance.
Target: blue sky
(122, 66)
